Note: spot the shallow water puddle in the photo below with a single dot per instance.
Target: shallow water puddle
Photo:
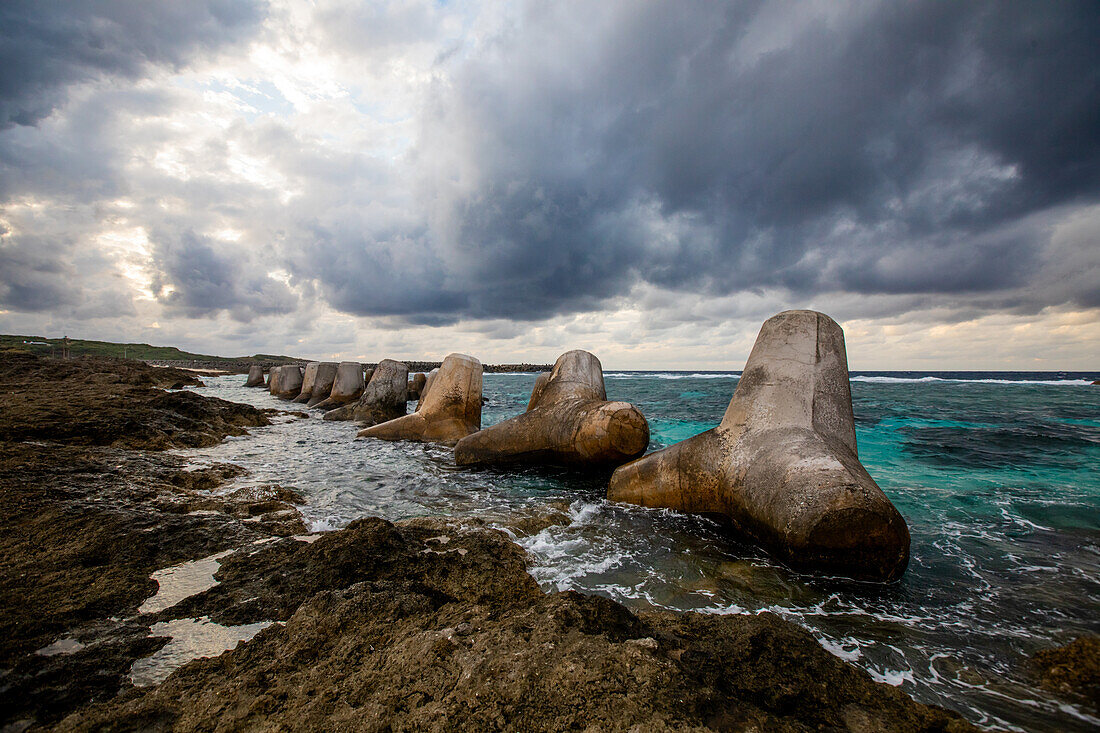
(61, 646)
(191, 639)
(182, 581)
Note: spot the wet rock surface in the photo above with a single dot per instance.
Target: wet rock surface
(113, 402)
(1071, 671)
(422, 624)
(426, 624)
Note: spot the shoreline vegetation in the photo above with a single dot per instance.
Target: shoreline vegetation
(427, 624)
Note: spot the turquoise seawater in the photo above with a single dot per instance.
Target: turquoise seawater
(997, 475)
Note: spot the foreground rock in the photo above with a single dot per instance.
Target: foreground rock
(1072, 671)
(450, 412)
(347, 386)
(570, 422)
(427, 625)
(384, 398)
(255, 376)
(782, 465)
(87, 518)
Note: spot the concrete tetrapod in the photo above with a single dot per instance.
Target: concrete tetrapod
(290, 382)
(570, 423)
(451, 412)
(255, 376)
(425, 388)
(782, 465)
(309, 376)
(322, 383)
(347, 386)
(416, 385)
(383, 399)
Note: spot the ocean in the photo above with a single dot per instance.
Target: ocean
(996, 473)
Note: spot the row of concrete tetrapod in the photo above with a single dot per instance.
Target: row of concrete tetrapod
(781, 468)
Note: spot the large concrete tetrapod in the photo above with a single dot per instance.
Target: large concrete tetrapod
(346, 387)
(782, 465)
(255, 376)
(425, 388)
(323, 383)
(317, 382)
(571, 423)
(416, 385)
(383, 399)
(276, 380)
(290, 382)
(309, 376)
(451, 412)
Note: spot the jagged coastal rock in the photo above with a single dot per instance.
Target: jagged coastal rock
(782, 466)
(383, 399)
(451, 412)
(570, 423)
(416, 385)
(255, 376)
(347, 386)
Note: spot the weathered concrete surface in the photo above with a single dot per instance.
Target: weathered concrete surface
(416, 385)
(317, 380)
(536, 391)
(289, 383)
(275, 380)
(568, 422)
(323, 380)
(450, 412)
(255, 376)
(383, 399)
(309, 376)
(782, 465)
(425, 388)
(347, 386)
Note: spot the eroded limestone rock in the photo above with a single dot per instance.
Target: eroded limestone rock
(347, 386)
(569, 421)
(383, 399)
(782, 465)
(255, 376)
(449, 413)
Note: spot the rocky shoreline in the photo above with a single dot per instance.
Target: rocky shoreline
(423, 624)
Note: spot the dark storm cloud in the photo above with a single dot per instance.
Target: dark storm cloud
(881, 149)
(35, 274)
(199, 278)
(46, 45)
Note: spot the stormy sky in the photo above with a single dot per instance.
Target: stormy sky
(649, 181)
